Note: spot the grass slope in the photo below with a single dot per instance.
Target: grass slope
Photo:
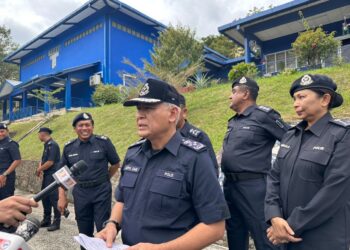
(208, 111)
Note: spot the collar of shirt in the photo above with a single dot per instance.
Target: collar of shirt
(47, 142)
(318, 127)
(185, 128)
(172, 146)
(247, 111)
(6, 139)
(91, 140)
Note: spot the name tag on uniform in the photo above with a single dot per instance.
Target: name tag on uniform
(170, 175)
(72, 155)
(132, 169)
(246, 127)
(96, 151)
(285, 146)
(319, 148)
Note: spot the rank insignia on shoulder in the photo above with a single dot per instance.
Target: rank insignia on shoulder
(197, 146)
(341, 123)
(264, 108)
(69, 142)
(103, 137)
(137, 143)
(195, 132)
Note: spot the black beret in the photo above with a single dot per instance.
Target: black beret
(46, 130)
(82, 117)
(317, 82)
(155, 91)
(3, 126)
(246, 81)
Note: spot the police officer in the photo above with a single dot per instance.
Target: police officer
(92, 194)
(246, 159)
(10, 159)
(168, 196)
(307, 200)
(189, 131)
(48, 165)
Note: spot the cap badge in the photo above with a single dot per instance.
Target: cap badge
(306, 80)
(85, 116)
(243, 80)
(145, 90)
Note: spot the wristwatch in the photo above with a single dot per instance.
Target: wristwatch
(117, 226)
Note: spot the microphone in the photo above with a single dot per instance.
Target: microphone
(63, 177)
(28, 228)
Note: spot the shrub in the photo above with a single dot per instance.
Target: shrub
(243, 69)
(289, 72)
(106, 94)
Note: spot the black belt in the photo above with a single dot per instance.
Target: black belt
(94, 183)
(243, 176)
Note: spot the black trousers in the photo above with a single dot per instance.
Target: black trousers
(245, 200)
(50, 201)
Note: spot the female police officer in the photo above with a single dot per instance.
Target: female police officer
(307, 200)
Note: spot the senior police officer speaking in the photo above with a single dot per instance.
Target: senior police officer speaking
(48, 166)
(246, 159)
(168, 196)
(92, 194)
(308, 189)
(10, 159)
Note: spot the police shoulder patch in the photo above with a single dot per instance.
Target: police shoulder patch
(195, 132)
(197, 146)
(70, 142)
(264, 108)
(341, 123)
(102, 137)
(137, 143)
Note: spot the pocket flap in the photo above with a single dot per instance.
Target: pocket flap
(319, 157)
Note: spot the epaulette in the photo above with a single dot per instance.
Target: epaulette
(10, 140)
(49, 143)
(102, 137)
(70, 142)
(196, 146)
(264, 108)
(137, 143)
(195, 132)
(340, 123)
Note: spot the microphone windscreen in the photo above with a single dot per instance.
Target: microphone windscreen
(78, 168)
(28, 228)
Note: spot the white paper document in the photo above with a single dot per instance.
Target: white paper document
(91, 243)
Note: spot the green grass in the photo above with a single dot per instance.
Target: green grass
(208, 111)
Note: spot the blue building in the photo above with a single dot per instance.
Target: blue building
(267, 36)
(84, 49)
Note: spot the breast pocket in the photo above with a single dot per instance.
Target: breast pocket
(128, 183)
(313, 165)
(73, 158)
(97, 156)
(165, 193)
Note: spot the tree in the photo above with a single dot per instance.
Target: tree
(223, 45)
(314, 45)
(48, 96)
(256, 10)
(7, 71)
(176, 53)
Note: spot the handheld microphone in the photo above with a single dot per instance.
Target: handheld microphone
(63, 177)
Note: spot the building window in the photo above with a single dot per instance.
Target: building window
(133, 32)
(83, 34)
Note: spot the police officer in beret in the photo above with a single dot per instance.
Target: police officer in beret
(246, 160)
(92, 194)
(10, 159)
(47, 167)
(307, 200)
(168, 196)
(189, 131)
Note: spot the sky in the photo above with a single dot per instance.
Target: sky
(28, 18)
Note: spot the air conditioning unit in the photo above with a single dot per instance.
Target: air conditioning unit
(95, 80)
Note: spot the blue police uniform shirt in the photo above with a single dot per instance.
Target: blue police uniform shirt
(249, 140)
(166, 193)
(51, 153)
(309, 184)
(9, 152)
(97, 152)
(194, 133)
